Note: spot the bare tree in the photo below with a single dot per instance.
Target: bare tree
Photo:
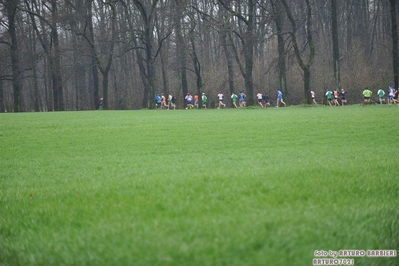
(78, 17)
(248, 40)
(279, 20)
(181, 46)
(11, 8)
(305, 66)
(103, 53)
(162, 25)
(150, 47)
(225, 36)
(335, 41)
(50, 44)
(2, 106)
(395, 45)
(194, 56)
(58, 55)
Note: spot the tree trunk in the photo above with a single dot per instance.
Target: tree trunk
(249, 44)
(181, 53)
(164, 61)
(151, 81)
(57, 78)
(304, 66)
(249, 83)
(151, 73)
(163, 53)
(36, 91)
(14, 49)
(94, 65)
(281, 47)
(2, 106)
(335, 42)
(225, 31)
(349, 16)
(147, 14)
(96, 82)
(395, 45)
(140, 63)
(197, 65)
(306, 82)
(229, 60)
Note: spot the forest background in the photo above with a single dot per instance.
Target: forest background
(67, 54)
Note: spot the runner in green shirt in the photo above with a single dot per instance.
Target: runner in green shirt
(381, 94)
(329, 95)
(234, 97)
(204, 100)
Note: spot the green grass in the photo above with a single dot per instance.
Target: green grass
(198, 187)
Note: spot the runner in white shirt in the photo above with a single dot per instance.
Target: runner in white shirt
(313, 94)
(220, 97)
(259, 96)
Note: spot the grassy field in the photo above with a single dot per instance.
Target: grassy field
(199, 187)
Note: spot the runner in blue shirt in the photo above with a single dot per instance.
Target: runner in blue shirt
(242, 99)
(158, 100)
(280, 98)
(391, 95)
(343, 96)
(189, 99)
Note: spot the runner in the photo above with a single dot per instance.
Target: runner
(242, 99)
(204, 100)
(381, 94)
(265, 98)
(234, 98)
(336, 95)
(391, 95)
(259, 96)
(329, 95)
(313, 94)
(189, 99)
(171, 102)
(196, 104)
(280, 98)
(158, 100)
(220, 97)
(343, 97)
(100, 103)
(163, 103)
(367, 94)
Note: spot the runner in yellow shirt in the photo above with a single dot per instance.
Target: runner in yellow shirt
(367, 94)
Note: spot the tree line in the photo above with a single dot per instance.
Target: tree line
(60, 55)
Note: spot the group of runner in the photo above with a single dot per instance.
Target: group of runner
(193, 101)
(161, 101)
(169, 102)
(263, 100)
(381, 95)
(333, 98)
